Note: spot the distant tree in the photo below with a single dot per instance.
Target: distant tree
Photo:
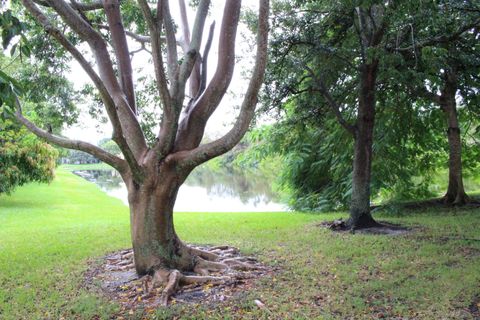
(23, 157)
(444, 57)
(79, 157)
(110, 146)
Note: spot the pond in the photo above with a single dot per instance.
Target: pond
(205, 190)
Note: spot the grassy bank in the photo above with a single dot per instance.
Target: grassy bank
(48, 232)
(89, 166)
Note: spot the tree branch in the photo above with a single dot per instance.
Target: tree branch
(192, 126)
(94, 5)
(204, 66)
(247, 110)
(442, 38)
(120, 45)
(172, 55)
(117, 163)
(169, 122)
(195, 77)
(138, 37)
(334, 106)
(184, 25)
(192, 54)
(169, 127)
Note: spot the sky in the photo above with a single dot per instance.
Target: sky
(91, 131)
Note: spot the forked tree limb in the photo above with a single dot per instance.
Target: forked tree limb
(192, 126)
(169, 126)
(195, 76)
(334, 106)
(204, 64)
(208, 151)
(192, 53)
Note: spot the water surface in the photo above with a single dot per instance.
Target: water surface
(205, 190)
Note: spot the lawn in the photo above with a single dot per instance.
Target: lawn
(49, 232)
(88, 166)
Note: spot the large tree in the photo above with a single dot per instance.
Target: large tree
(334, 52)
(444, 60)
(154, 173)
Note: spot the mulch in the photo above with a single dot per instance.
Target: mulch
(115, 278)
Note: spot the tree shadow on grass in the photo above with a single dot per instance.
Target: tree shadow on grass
(423, 205)
(381, 228)
(18, 205)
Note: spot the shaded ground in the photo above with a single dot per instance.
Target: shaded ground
(436, 203)
(474, 308)
(115, 277)
(383, 227)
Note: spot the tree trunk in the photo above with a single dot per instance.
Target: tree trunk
(155, 242)
(455, 192)
(360, 216)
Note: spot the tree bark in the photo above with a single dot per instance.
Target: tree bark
(360, 216)
(455, 192)
(155, 242)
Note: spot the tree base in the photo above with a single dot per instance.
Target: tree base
(365, 221)
(458, 199)
(383, 228)
(220, 272)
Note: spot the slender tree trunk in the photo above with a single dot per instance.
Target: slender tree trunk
(360, 216)
(155, 242)
(455, 192)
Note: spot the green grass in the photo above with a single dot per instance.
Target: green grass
(49, 232)
(90, 166)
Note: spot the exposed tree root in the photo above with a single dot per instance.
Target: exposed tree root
(217, 273)
(381, 227)
(468, 202)
(217, 260)
(455, 199)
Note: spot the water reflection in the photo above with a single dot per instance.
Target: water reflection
(204, 190)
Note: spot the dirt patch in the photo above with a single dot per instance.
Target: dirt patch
(115, 277)
(474, 308)
(382, 227)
